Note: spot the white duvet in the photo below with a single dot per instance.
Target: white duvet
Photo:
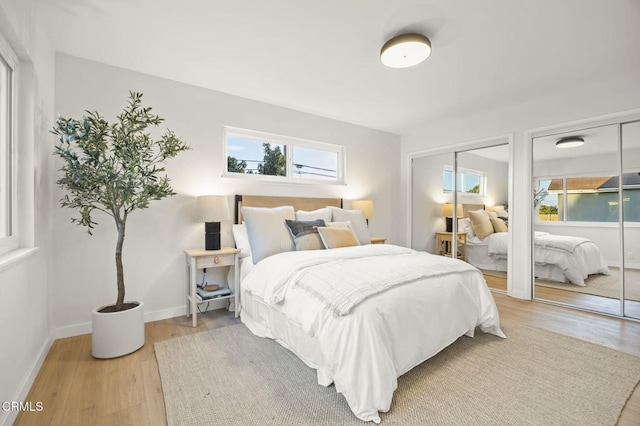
(386, 334)
(577, 258)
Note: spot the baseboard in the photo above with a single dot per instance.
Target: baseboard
(519, 294)
(8, 417)
(85, 328)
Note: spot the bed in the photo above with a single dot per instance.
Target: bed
(360, 315)
(559, 258)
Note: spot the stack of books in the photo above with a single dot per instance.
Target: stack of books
(203, 294)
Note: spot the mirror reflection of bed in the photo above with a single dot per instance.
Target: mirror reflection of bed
(576, 195)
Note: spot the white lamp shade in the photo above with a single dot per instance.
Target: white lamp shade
(447, 210)
(212, 208)
(366, 206)
(405, 51)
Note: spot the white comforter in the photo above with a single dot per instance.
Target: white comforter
(576, 257)
(387, 333)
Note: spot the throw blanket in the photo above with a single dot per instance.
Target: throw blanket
(560, 242)
(498, 243)
(342, 284)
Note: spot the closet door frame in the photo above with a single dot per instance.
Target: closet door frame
(618, 120)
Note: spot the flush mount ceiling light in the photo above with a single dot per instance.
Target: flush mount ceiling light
(405, 50)
(570, 142)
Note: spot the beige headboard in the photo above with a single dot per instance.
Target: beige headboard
(298, 203)
(466, 208)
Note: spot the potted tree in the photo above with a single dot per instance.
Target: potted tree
(114, 168)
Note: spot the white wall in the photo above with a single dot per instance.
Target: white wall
(611, 93)
(84, 274)
(25, 312)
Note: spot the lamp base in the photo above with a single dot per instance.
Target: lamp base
(449, 224)
(212, 235)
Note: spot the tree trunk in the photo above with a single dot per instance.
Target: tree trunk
(119, 268)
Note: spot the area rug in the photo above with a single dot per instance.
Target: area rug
(597, 284)
(604, 285)
(228, 376)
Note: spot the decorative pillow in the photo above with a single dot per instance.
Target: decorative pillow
(499, 225)
(242, 239)
(324, 214)
(358, 222)
(464, 225)
(333, 237)
(305, 234)
(492, 214)
(346, 224)
(267, 230)
(481, 223)
(502, 213)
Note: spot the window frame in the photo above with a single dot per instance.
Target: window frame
(563, 220)
(462, 171)
(288, 143)
(11, 242)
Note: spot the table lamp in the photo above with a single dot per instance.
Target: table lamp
(212, 209)
(366, 206)
(447, 211)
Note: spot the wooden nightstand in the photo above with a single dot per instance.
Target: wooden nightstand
(200, 259)
(443, 244)
(378, 240)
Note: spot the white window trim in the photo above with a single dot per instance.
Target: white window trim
(565, 211)
(462, 170)
(289, 142)
(12, 242)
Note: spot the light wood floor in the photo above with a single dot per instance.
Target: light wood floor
(77, 389)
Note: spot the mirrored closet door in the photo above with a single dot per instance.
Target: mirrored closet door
(584, 244)
(630, 199)
(465, 185)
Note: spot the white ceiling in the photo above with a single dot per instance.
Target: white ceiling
(322, 57)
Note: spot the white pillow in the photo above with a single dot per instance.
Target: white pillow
(358, 222)
(464, 225)
(242, 239)
(346, 224)
(267, 230)
(324, 214)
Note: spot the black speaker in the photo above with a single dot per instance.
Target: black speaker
(449, 224)
(212, 235)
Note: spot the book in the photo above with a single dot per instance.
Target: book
(203, 294)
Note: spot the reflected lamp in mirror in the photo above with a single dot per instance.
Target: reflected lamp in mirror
(212, 209)
(366, 206)
(447, 212)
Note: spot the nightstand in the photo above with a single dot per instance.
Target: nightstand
(444, 244)
(200, 259)
(378, 240)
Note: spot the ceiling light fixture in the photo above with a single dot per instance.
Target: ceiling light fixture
(405, 51)
(570, 142)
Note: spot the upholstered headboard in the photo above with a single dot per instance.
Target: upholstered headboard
(298, 203)
(466, 208)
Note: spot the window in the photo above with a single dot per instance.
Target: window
(8, 62)
(469, 181)
(261, 155)
(588, 199)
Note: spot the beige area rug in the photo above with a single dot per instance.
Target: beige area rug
(598, 285)
(228, 376)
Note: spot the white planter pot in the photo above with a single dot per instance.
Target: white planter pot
(117, 333)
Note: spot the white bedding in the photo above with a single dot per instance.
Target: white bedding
(382, 337)
(571, 259)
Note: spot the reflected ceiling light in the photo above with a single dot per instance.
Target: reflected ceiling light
(405, 50)
(570, 142)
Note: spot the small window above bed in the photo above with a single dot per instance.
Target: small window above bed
(258, 155)
(469, 181)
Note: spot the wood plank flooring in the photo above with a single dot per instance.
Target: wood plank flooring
(77, 389)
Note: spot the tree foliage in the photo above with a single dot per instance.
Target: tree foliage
(275, 162)
(236, 166)
(114, 168)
